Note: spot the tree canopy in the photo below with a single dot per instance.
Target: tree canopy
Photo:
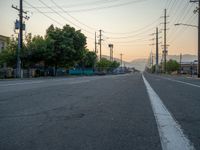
(172, 65)
(105, 64)
(60, 47)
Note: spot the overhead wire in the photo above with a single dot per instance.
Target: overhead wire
(99, 8)
(71, 15)
(43, 13)
(182, 20)
(98, 2)
(183, 30)
(65, 17)
(52, 19)
(135, 31)
(180, 16)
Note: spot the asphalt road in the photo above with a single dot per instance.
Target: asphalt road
(94, 113)
(182, 98)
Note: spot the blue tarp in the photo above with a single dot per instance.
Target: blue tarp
(81, 72)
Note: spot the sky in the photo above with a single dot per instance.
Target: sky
(128, 24)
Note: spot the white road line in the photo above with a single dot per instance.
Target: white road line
(21, 83)
(171, 135)
(183, 82)
(78, 82)
(178, 81)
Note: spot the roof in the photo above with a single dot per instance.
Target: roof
(189, 63)
(4, 38)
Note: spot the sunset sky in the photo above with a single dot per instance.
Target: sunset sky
(125, 23)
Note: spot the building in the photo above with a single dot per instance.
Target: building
(3, 42)
(189, 67)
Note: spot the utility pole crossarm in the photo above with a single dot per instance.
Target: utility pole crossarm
(16, 8)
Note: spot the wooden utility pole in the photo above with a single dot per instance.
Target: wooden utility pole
(157, 53)
(180, 62)
(20, 38)
(95, 44)
(111, 51)
(121, 59)
(198, 11)
(165, 39)
(100, 39)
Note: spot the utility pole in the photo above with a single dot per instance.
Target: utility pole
(165, 39)
(121, 58)
(20, 36)
(111, 51)
(198, 11)
(151, 61)
(100, 39)
(180, 61)
(157, 55)
(198, 69)
(152, 57)
(95, 42)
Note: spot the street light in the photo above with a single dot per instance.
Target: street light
(177, 24)
(198, 27)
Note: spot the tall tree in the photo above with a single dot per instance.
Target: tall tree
(8, 55)
(66, 46)
(89, 59)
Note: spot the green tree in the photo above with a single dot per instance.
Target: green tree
(89, 59)
(107, 65)
(8, 55)
(65, 46)
(104, 64)
(34, 51)
(172, 65)
(115, 64)
(59, 48)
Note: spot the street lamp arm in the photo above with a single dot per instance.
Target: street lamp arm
(177, 24)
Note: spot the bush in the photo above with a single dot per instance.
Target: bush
(172, 65)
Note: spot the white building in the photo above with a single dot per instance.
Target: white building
(3, 42)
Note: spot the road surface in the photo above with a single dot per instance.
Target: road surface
(100, 113)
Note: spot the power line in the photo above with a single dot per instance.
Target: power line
(98, 2)
(144, 32)
(172, 6)
(182, 30)
(167, 7)
(99, 8)
(135, 31)
(43, 13)
(178, 31)
(64, 17)
(52, 19)
(179, 17)
(71, 15)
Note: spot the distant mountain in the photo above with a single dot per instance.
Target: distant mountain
(108, 57)
(141, 63)
(138, 64)
(185, 58)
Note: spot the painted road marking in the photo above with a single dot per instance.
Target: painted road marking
(37, 82)
(183, 82)
(178, 81)
(171, 135)
(21, 83)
